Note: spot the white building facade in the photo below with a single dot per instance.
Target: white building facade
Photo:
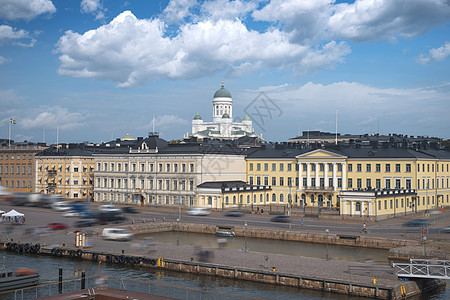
(222, 126)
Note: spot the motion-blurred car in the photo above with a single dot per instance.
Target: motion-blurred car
(109, 208)
(234, 213)
(281, 219)
(116, 234)
(61, 206)
(199, 211)
(71, 214)
(417, 223)
(84, 223)
(130, 210)
(57, 226)
(88, 215)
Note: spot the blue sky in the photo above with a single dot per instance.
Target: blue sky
(98, 69)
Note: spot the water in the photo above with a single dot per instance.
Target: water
(48, 266)
(354, 254)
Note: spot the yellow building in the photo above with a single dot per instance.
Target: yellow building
(323, 177)
(67, 170)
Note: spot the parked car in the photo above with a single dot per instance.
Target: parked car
(61, 206)
(109, 208)
(57, 226)
(199, 211)
(417, 223)
(84, 223)
(116, 234)
(446, 229)
(110, 217)
(130, 210)
(281, 219)
(234, 213)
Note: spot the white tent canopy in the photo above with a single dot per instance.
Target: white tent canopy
(1, 212)
(13, 213)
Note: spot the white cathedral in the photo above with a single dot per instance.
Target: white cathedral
(222, 126)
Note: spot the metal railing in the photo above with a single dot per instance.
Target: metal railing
(133, 285)
(423, 268)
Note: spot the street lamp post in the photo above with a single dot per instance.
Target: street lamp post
(178, 243)
(245, 238)
(327, 230)
(290, 205)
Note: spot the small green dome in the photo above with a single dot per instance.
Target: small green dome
(222, 92)
(225, 116)
(197, 117)
(246, 118)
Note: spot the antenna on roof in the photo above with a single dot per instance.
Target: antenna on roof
(153, 123)
(336, 126)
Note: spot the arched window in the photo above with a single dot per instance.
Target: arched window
(261, 198)
(267, 197)
(254, 198)
(248, 198)
(281, 198)
(290, 198)
(330, 201)
(303, 199)
(240, 199)
(227, 200)
(320, 199)
(312, 198)
(234, 199)
(274, 197)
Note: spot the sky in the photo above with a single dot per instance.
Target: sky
(93, 70)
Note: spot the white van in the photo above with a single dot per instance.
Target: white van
(116, 234)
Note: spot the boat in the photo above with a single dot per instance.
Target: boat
(226, 231)
(21, 278)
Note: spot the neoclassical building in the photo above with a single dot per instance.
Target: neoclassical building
(223, 126)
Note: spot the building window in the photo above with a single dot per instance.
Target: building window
(274, 167)
(350, 183)
(258, 167)
(281, 198)
(313, 167)
(167, 167)
(388, 168)
(274, 197)
(289, 166)
(250, 167)
(142, 167)
(251, 180)
(388, 183)
(408, 168)
(305, 181)
(339, 182)
(330, 182)
(289, 181)
(397, 168)
(191, 168)
(339, 168)
(274, 181)
(368, 183)
(378, 168)
(378, 183)
(258, 180)
(359, 183)
(151, 167)
(304, 167)
(266, 167)
(321, 167)
(398, 183)
(358, 168)
(368, 168)
(350, 168)
(266, 180)
(281, 181)
(281, 167)
(313, 181)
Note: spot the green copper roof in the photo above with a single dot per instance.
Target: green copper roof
(225, 116)
(222, 92)
(197, 117)
(246, 118)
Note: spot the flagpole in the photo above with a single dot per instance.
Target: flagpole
(9, 137)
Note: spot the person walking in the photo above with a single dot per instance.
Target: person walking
(364, 229)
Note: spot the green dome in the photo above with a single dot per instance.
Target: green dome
(225, 116)
(222, 92)
(246, 118)
(197, 117)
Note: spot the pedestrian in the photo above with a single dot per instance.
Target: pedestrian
(364, 228)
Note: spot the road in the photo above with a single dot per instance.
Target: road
(37, 217)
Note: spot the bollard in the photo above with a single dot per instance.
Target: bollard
(60, 285)
(83, 280)
(266, 258)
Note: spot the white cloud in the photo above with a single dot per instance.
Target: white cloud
(94, 7)
(178, 10)
(10, 35)
(361, 108)
(25, 9)
(434, 55)
(225, 9)
(132, 52)
(51, 117)
(369, 20)
(2, 60)
(169, 121)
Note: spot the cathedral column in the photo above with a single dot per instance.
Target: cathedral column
(325, 177)
(334, 177)
(344, 180)
(308, 174)
(317, 174)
